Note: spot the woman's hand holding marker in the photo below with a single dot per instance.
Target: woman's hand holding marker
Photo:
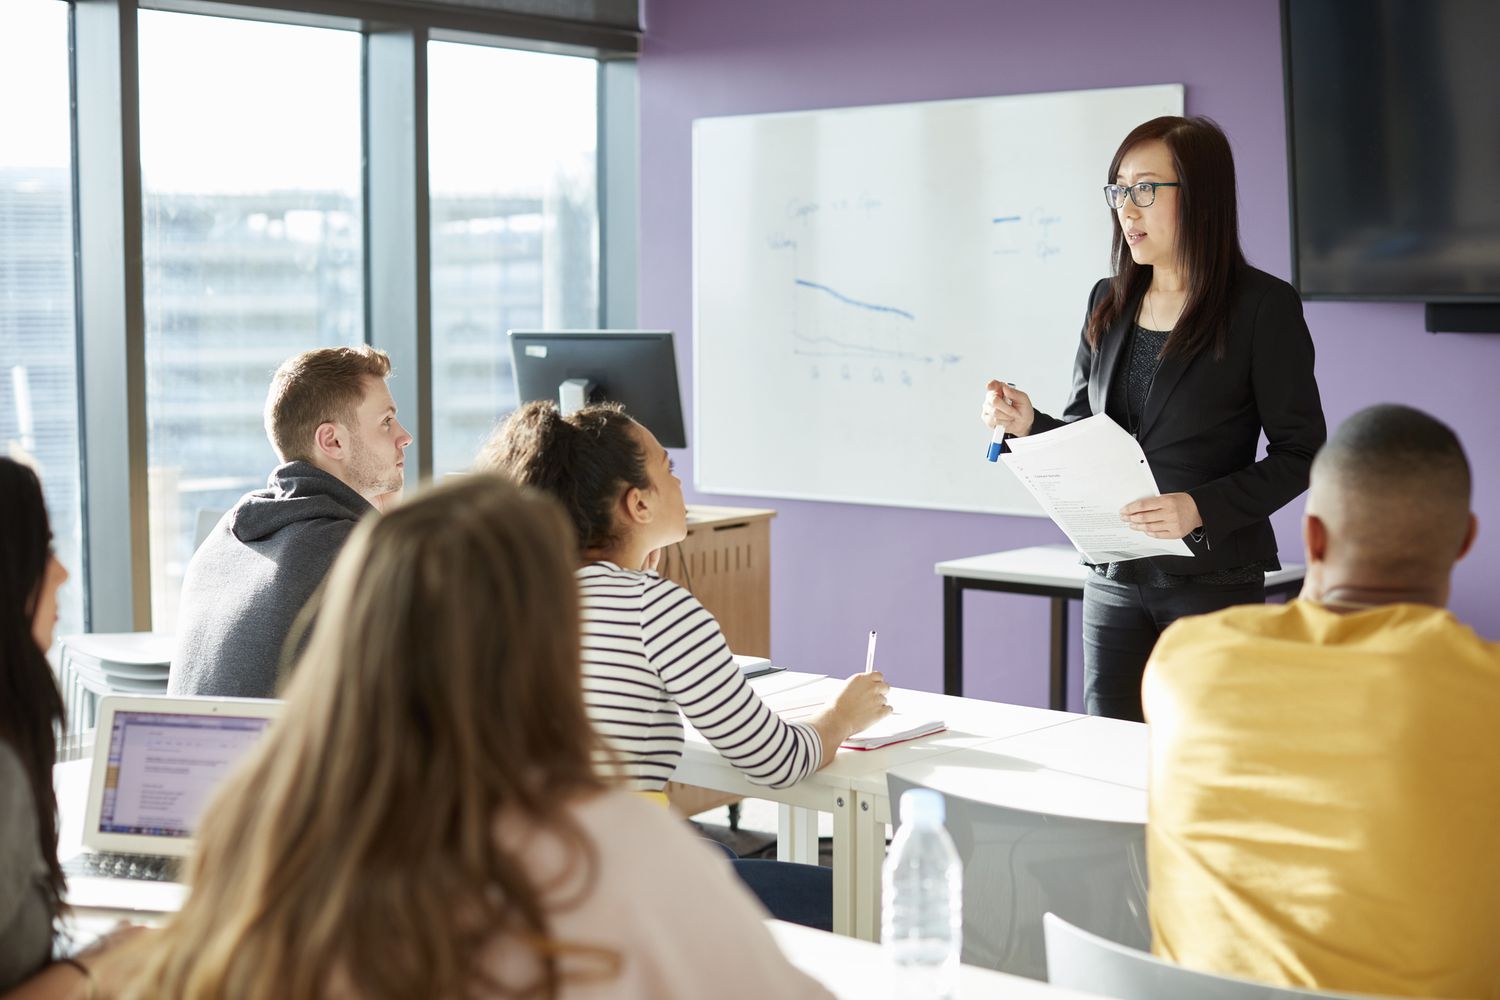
(1006, 410)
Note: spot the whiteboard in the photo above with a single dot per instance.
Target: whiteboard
(860, 273)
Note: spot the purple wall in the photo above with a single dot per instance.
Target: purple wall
(839, 570)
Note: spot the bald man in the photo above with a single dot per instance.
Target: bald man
(1325, 778)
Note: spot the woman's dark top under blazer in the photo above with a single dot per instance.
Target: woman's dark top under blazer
(1203, 418)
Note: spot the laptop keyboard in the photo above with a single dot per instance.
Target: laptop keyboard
(147, 868)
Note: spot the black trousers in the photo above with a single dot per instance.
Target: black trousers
(1121, 622)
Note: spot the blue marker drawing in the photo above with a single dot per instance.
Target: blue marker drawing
(871, 306)
(1006, 218)
(849, 349)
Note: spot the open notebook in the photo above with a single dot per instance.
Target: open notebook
(894, 728)
(795, 697)
(754, 666)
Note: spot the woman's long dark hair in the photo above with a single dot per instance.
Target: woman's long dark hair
(1208, 237)
(31, 709)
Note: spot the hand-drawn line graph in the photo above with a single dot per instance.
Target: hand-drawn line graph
(863, 328)
(854, 302)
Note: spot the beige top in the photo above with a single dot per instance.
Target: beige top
(671, 909)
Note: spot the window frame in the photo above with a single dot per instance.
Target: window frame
(108, 205)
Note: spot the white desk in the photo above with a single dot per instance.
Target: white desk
(1090, 767)
(1046, 571)
(856, 970)
(853, 789)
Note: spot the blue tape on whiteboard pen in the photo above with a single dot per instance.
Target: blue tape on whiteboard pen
(998, 438)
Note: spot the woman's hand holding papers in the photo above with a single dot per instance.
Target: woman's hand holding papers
(858, 706)
(1170, 516)
(1007, 407)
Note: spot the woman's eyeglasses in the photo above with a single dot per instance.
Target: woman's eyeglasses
(1143, 194)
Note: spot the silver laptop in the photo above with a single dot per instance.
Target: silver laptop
(157, 763)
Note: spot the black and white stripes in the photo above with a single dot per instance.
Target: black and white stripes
(649, 648)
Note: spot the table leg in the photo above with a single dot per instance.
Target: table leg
(796, 835)
(869, 859)
(953, 637)
(1058, 700)
(844, 881)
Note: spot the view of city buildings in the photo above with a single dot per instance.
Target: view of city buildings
(234, 285)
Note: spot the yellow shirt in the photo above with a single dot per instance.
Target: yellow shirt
(1325, 799)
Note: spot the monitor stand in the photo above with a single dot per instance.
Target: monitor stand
(573, 395)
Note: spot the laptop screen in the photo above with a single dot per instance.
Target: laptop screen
(164, 767)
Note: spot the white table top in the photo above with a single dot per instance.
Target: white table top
(1090, 768)
(1053, 566)
(856, 970)
(972, 723)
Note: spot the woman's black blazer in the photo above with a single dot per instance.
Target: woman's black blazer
(1203, 418)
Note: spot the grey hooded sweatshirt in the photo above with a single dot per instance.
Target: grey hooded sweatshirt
(252, 576)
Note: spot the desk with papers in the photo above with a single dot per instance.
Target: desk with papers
(1081, 757)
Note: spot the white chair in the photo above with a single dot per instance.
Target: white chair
(91, 665)
(1078, 960)
(1020, 864)
(205, 519)
(99, 663)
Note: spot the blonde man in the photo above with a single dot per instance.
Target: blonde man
(333, 423)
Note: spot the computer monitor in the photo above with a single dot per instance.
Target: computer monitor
(635, 368)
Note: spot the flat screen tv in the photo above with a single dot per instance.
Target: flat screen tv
(1393, 126)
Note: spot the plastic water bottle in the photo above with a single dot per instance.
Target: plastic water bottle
(922, 917)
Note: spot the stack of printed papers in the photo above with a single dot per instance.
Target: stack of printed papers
(1082, 474)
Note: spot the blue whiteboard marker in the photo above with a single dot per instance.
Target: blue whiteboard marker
(998, 438)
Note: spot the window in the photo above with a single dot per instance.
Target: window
(38, 325)
(515, 223)
(250, 161)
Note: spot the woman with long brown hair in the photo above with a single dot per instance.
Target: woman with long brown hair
(425, 819)
(1196, 353)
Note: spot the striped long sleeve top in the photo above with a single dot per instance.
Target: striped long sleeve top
(649, 649)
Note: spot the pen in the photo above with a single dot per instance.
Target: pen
(998, 438)
(870, 653)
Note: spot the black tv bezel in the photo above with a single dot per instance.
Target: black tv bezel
(1291, 196)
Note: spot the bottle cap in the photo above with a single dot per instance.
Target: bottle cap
(922, 805)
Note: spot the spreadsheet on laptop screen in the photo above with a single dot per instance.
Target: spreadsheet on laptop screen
(163, 768)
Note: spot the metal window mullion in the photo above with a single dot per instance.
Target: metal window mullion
(619, 192)
(555, 30)
(111, 315)
(398, 259)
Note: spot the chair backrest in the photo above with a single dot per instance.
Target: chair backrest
(204, 522)
(1019, 865)
(1078, 960)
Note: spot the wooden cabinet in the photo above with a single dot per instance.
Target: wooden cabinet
(725, 562)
